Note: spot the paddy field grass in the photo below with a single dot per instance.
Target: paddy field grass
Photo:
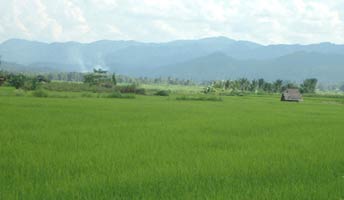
(160, 148)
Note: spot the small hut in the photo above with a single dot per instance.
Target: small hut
(291, 95)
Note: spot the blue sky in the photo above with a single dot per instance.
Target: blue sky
(262, 21)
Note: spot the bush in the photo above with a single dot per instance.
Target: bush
(130, 89)
(19, 93)
(120, 96)
(209, 90)
(107, 85)
(88, 95)
(337, 96)
(162, 93)
(60, 95)
(115, 95)
(141, 91)
(68, 86)
(17, 80)
(237, 93)
(40, 93)
(126, 88)
(30, 84)
(3, 77)
(199, 98)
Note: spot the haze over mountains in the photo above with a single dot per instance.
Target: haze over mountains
(204, 59)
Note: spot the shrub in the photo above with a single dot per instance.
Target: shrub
(67, 86)
(57, 95)
(237, 93)
(30, 84)
(115, 95)
(120, 96)
(209, 90)
(141, 91)
(17, 80)
(199, 98)
(130, 89)
(40, 93)
(19, 93)
(126, 88)
(162, 93)
(107, 85)
(3, 77)
(88, 95)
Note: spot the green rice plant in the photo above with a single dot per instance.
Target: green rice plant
(149, 148)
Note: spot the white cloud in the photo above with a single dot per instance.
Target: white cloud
(263, 21)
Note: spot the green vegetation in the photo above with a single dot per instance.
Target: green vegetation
(199, 98)
(162, 93)
(309, 85)
(244, 86)
(173, 89)
(341, 88)
(251, 147)
(230, 139)
(40, 93)
(100, 77)
(120, 95)
(3, 76)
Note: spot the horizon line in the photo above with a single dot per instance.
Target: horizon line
(169, 41)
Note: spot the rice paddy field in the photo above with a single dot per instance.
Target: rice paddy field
(159, 148)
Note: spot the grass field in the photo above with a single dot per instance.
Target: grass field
(160, 148)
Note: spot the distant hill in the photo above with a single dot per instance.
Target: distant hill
(204, 59)
(296, 66)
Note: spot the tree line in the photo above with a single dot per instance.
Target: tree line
(102, 78)
(21, 81)
(261, 85)
(121, 79)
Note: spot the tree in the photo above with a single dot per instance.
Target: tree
(309, 85)
(227, 84)
(99, 71)
(3, 77)
(244, 84)
(98, 77)
(277, 85)
(254, 85)
(267, 87)
(342, 88)
(290, 86)
(90, 79)
(261, 83)
(17, 81)
(218, 84)
(42, 79)
(113, 78)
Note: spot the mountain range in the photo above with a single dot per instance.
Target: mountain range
(203, 59)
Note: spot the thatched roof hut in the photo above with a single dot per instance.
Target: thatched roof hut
(291, 95)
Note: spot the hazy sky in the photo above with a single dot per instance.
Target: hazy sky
(263, 21)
